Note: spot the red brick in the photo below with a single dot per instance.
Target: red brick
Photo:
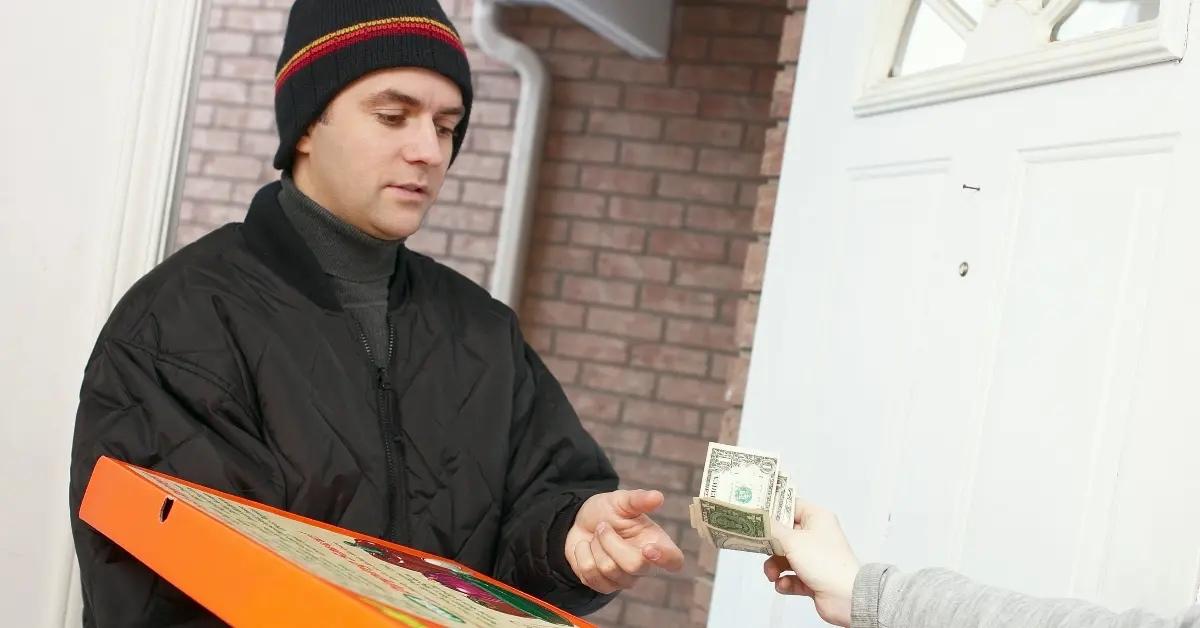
(260, 145)
(570, 65)
(719, 20)
(536, 36)
(586, 94)
(559, 174)
(610, 615)
(663, 100)
(710, 276)
(581, 148)
(789, 41)
(705, 189)
(565, 371)
(457, 218)
(608, 236)
(669, 358)
(678, 448)
(650, 472)
(472, 246)
(729, 162)
(432, 242)
(735, 392)
(720, 367)
(591, 346)
(772, 159)
(214, 140)
(244, 118)
(484, 194)
(646, 212)
(734, 107)
(651, 590)
(728, 308)
(474, 166)
(556, 313)
(642, 325)
(658, 298)
(764, 209)
(269, 45)
(781, 93)
(482, 139)
(714, 78)
(747, 319)
(658, 156)
(232, 166)
(704, 132)
(207, 189)
(248, 68)
(621, 180)
(259, 21)
(617, 379)
(697, 392)
(755, 139)
(565, 120)
(659, 416)
(737, 251)
(594, 405)
(636, 267)
(493, 113)
(542, 284)
(714, 336)
(229, 43)
(550, 230)
(583, 40)
(717, 219)
(756, 265)
(565, 258)
(620, 123)
(682, 244)
(223, 91)
(689, 47)
(570, 203)
(496, 86)
(744, 50)
(631, 71)
(602, 291)
(618, 437)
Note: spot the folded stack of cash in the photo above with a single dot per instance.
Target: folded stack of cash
(745, 500)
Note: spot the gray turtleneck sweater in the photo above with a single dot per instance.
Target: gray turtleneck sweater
(360, 266)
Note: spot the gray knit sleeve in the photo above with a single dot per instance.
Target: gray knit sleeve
(936, 598)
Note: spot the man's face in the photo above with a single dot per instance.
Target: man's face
(378, 156)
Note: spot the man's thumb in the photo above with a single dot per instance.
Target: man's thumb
(638, 502)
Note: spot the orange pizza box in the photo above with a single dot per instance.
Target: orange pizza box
(253, 565)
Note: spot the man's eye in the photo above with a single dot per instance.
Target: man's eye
(445, 131)
(390, 119)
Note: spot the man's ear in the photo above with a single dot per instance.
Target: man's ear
(304, 144)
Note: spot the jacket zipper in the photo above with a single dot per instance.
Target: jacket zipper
(396, 492)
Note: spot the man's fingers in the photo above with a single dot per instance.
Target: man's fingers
(628, 557)
(775, 566)
(589, 573)
(811, 516)
(637, 502)
(665, 554)
(792, 585)
(609, 567)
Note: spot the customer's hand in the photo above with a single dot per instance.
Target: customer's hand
(822, 564)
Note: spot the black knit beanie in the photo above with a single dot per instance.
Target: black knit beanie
(331, 43)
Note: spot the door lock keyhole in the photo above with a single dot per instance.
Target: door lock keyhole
(962, 269)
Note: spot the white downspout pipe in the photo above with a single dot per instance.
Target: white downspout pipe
(529, 132)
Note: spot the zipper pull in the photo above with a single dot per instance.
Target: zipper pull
(382, 379)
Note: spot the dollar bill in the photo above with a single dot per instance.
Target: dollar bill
(746, 500)
(739, 476)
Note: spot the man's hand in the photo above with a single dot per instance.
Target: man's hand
(824, 565)
(613, 542)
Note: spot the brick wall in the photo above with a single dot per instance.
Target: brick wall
(756, 257)
(644, 222)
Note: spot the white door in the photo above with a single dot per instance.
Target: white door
(979, 338)
(91, 131)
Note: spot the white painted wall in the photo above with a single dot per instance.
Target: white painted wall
(90, 128)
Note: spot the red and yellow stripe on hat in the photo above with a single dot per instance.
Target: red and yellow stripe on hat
(418, 26)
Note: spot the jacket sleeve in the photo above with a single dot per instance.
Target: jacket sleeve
(883, 596)
(554, 466)
(158, 411)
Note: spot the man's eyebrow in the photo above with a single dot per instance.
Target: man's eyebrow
(393, 97)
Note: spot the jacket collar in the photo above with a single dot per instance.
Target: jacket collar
(273, 239)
